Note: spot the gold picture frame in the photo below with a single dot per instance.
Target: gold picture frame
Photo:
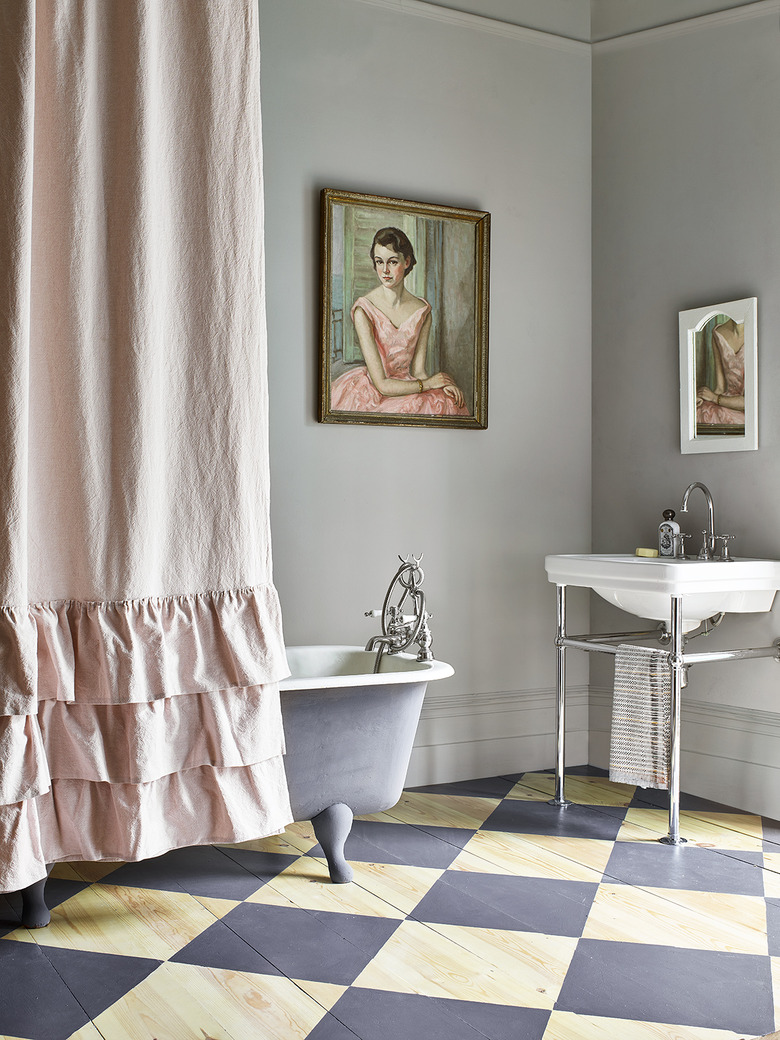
(404, 318)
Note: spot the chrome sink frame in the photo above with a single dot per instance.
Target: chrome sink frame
(678, 661)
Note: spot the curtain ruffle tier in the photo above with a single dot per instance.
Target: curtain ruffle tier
(191, 753)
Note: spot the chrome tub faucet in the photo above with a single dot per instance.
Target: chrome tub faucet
(400, 630)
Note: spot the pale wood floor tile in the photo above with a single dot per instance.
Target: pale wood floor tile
(132, 921)
(389, 889)
(584, 790)
(401, 886)
(535, 855)
(297, 838)
(564, 1025)
(671, 917)
(94, 871)
(707, 830)
(65, 872)
(187, 1002)
(89, 1032)
(529, 791)
(519, 969)
(88, 872)
(270, 897)
(296, 887)
(18, 935)
(219, 908)
(438, 810)
(325, 993)
(739, 823)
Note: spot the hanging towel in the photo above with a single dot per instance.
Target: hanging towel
(140, 632)
(641, 717)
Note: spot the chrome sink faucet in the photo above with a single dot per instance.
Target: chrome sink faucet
(707, 551)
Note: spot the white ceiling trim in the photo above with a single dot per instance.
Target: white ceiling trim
(479, 23)
(760, 9)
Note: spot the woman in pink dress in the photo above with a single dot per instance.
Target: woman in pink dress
(724, 403)
(393, 327)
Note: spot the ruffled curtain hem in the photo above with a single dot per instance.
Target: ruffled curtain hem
(138, 650)
(138, 727)
(83, 821)
(137, 743)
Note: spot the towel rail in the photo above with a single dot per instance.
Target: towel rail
(620, 637)
(590, 646)
(678, 660)
(595, 644)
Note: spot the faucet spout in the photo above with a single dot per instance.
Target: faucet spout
(708, 545)
(375, 641)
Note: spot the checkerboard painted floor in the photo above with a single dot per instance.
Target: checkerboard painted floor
(478, 912)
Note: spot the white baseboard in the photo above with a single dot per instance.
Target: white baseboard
(474, 735)
(728, 754)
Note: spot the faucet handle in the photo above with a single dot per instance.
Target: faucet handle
(725, 555)
(681, 543)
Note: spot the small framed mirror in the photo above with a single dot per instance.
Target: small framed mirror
(719, 378)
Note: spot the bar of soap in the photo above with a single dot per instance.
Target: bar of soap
(647, 552)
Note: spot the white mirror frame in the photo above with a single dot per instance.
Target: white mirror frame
(692, 322)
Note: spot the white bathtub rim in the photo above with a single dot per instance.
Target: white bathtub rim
(336, 666)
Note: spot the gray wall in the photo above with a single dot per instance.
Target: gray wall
(686, 144)
(410, 101)
(685, 212)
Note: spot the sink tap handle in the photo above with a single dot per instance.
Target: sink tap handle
(681, 544)
(725, 554)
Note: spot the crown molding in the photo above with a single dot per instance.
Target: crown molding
(479, 23)
(492, 26)
(759, 9)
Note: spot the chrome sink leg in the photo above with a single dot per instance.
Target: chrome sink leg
(677, 667)
(560, 701)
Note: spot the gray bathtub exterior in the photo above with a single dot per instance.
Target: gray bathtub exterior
(348, 746)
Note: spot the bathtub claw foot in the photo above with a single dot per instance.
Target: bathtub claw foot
(35, 913)
(331, 828)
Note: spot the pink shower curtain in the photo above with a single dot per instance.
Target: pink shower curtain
(140, 632)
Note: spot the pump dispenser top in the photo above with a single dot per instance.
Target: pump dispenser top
(668, 534)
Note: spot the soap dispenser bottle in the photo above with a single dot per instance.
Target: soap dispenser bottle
(668, 534)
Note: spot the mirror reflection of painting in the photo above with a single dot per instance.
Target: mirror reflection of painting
(403, 312)
(720, 377)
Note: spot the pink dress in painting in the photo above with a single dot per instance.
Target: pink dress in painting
(734, 371)
(354, 391)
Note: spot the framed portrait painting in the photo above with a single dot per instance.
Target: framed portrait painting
(719, 378)
(404, 316)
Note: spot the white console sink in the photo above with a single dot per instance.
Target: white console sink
(644, 586)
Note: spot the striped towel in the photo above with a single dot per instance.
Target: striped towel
(641, 717)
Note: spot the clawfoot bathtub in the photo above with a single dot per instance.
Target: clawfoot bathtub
(349, 736)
